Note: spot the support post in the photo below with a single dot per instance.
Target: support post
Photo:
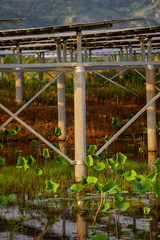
(61, 99)
(85, 54)
(40, 60)
(151, 116)
(149, 48)
(71, 55)
(121, 55)
(79, 114)
(130, 54)
(64, 51)
(19, 81)
(126, 50)
(142, 49)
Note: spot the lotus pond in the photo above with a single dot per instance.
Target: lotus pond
(40, 200)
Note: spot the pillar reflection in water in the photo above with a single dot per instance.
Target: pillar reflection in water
(154, 221)
(82, 226)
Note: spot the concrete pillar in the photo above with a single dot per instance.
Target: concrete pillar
(71, 55)
(75, 56)
(151, 115)
(79, 114)
(19, 81)
(85, 54)
(149, 49)
(61, 98)
(90, 55)
(64, 51)
(121, 55)
(14, 56)
(126, 51)
(130, 54)
(142, 49)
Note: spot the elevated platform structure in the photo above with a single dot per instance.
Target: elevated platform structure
(136, 46)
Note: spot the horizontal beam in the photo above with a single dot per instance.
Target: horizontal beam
(41, 66)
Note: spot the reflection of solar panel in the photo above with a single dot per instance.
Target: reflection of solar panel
(11, 20)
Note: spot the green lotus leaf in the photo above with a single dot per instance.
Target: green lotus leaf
(3, 200)
(11, 197)
(51, 186)
(140, 150)
(75, 188)
(130, 175)
(2, 161)
(102, 155)
(57, 132)
(34, 142)
(83, 181)
(142, 187)
(115, 122)
(30, 160)
(112, 164)
(105, 207)
(17, 128)
(13, 132)
(110, 185)
(59, 159)
(38, 171)
(46, 153)
(92, 149)
(100, 166)
(121, 158)
(88, 161)
(22, 163)
(91, 180)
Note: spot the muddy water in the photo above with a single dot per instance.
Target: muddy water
(73, 219)
(128, 146)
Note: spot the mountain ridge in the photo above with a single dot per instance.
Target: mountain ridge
(40, 13)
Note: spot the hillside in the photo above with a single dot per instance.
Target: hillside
(57, 12)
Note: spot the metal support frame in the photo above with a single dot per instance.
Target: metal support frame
(64, 51)
(149, 48)
(33, 76)
(32, 99)
(151, 114)
(71, 55)
(37, 134)
(41, 60)
(14, 116)
(128, 124)
(61, 98)
(109, 80)
(85, 54)
(79, 114)
(19, 81)
(130, 53)
(142, 49)
(126, 51)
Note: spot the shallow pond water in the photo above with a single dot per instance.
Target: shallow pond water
(72, 218)
(128, 146)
